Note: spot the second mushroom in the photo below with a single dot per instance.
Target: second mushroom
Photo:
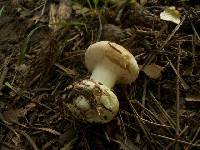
(93, 99)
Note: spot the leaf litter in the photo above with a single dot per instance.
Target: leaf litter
(158, 111)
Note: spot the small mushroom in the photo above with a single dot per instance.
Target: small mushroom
(110, 63)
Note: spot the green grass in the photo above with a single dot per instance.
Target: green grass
(2, 10)
(25, 43)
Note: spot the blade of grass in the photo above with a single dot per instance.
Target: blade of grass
(88, 1)
(100, 29)
(2, 10)
(95, 4)
(25, 43)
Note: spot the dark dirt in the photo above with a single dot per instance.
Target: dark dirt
(160, 110)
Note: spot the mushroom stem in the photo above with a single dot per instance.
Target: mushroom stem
(104, 74)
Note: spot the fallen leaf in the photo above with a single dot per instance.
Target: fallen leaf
(12, 116)
(80, 9)
(143, 2)
(23, 68)
(171, 14)
(112, 33)
(38, 18)
(188, 71)
(59, 13)
(193, 97)
(153, 71)
(193, 100)
(16, 140)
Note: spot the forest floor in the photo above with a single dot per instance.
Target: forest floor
(42, 46)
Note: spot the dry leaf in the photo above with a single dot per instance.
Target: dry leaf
(59, 13)
(143, 2)
(171, 14)
(23, 68)
(152, 71)
(12, 116)
(193, 100)
(16, 140)
(188, 71)
(38, 18)
(80, 9)
(193, 97)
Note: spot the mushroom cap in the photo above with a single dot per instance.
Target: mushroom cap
(93, 102)
(119, 59)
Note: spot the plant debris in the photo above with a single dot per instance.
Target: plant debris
(42, 55)
(171, 14)
(153, 71)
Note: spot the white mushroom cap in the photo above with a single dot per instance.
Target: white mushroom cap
(93, 102)
(115, 57)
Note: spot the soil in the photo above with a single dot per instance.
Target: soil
(42, 46)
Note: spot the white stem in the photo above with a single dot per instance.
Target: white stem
(104, 74)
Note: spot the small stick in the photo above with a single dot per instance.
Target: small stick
(178, 96)
(172, 139)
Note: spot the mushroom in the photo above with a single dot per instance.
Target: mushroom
(110, 63)
(93, 102)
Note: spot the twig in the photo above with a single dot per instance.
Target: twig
(193, 139)
(21, 94)
(87, 146)
(165, 114)
(10, 146)
(173, 33)
(193, 28)
(156, 124)
(143, 103)
(48, 144)
(152, 114)
(6, 124)
(178, 97)
(172, 143)
(100, 28)
(123, 129)
(120, 11)
(172, 139)
(193, 52)
(4, 71)
(43, 9)
(151, 57)
(144, 92)
(141, 123)
(30, 140)
(183, 83)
